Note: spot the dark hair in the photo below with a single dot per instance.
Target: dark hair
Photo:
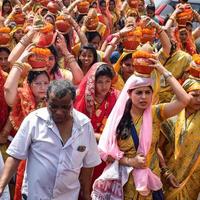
(54, 51)
(5, 49)
(124, 127)
(151, 6)
(7, 1)
(32, 75)
(91, 48)
(126, 57)
(104, 70)
(80, 17)
(60, 88)
(101, 2)
(91, 35)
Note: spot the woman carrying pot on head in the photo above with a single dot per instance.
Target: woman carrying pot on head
(25, 99)
(130, 137)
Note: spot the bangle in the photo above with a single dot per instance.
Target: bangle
(25, 40)
(167, 75)
(172, 19)
(19, 66)
(113, 45)
(160, 31)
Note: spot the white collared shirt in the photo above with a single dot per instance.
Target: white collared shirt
(53, 168)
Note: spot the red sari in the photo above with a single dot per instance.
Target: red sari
(85, 103)
(24, 104)
(3, 105)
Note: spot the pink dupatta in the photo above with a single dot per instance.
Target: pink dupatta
(145, 180)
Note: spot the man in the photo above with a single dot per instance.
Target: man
(59, 145)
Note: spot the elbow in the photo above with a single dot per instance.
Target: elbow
(8, 98)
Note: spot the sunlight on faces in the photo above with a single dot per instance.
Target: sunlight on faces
(103, 85)
(195, 100)
(141, 97)
(86, 57)
(39, 86)
(60, 108)
(127, 68)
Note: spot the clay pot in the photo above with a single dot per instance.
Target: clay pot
(148, 35)
(83, 7)
(131, 40)
(133, 3)
(194, 72)
(4, 38)
(92, 23)
(183, 17)
(62, 25)
(53, 7)
(19, 18)
(38, 61)
(44, 39)
(141, 65)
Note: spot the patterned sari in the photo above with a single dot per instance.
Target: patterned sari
(24, 104)
(85, 100)
(85, 103)
(183, 135)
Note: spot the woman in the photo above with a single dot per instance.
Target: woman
(87, 57)
(95, 95)
(182, 147)
(6, 8)
(130, 138)
(96, 98)
(17, 33)
(31, 96)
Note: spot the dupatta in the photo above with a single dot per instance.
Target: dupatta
(145, 180)
(85, 100)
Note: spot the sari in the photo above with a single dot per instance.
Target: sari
(24, 104)
(85, 100)
(136, 183)
(182, 134)
(85, 103)
(177, 64)
(4, 111)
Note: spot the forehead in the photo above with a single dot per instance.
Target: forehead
(103, 78)
(143, 89)
(195, 92)
(67, 99)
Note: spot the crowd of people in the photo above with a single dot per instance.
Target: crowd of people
(99, 100)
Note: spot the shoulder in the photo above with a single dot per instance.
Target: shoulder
(80, 118)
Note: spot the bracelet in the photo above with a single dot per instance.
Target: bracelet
(172, 19)
(167, 75)
(19, 66)
(113, 45)
(160, 31)
(25, 40)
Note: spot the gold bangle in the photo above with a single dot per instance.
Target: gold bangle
(17, 67)
(160, 31)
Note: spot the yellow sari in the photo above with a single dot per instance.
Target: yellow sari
(127, 146)
(177, 65)
(183, 135)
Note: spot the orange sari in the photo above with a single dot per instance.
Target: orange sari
(24, 104)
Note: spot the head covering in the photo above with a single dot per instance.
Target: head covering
(114, 57)
(144, 179)
(191, 84)
(85, 100)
